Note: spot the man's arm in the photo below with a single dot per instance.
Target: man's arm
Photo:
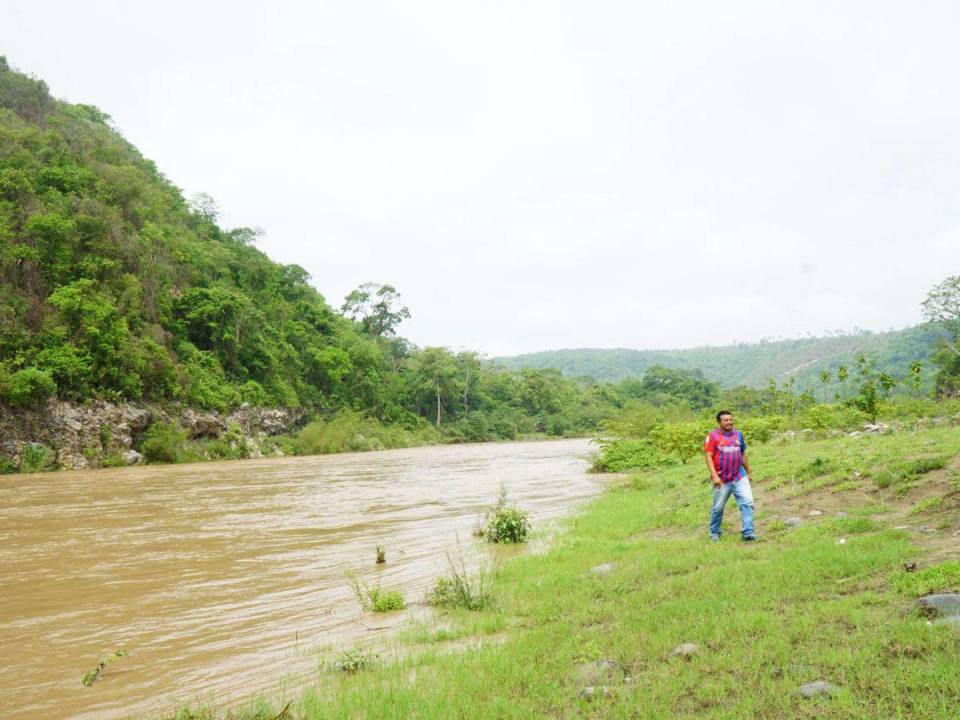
(713, 471)
(746, 464)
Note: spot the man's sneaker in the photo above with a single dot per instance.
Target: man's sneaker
(714, 538)
(751, 538)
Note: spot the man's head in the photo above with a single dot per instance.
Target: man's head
(725, 420)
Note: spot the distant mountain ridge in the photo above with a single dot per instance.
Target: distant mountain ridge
(751, 364)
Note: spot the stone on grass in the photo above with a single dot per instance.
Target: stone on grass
(925, 529)
(815, 513)
(842, 514)
(939, 605)
(793, 521)
(952, 621)
(842, 541)
(604, 569)
(855, 433)
(687, 650)
(819, 688)
(132, 457)
(597, 672)
(592, 691)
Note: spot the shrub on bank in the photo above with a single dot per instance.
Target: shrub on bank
(628, 454)
(29, 386)
(164, 443)
(462, 588)
(352, 431)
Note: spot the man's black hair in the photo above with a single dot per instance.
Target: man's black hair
(722, 413)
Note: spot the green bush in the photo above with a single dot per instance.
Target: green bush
(839, 417)
(462, 588)
(386, 600)
(33, 458)
(624, 455)
(27, 387)
(761, 429)
(353, 661)
(252, 393)
(507, 525)
(164, 443)
(206, 383)
(353, 431)
(685, 440)
(375, 598)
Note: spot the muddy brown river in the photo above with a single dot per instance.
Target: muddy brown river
(223, 579)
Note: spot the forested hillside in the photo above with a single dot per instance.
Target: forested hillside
(113, 286)
(752, 364)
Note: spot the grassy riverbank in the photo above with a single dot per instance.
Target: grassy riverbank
(798, 607)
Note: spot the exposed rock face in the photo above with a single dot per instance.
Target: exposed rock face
(70, 436)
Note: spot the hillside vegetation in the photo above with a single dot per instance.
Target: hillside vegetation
(113, 286)
(751, 364)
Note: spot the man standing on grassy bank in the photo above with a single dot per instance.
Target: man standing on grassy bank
(726, 454)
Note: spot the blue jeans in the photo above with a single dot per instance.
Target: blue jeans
(743, 495)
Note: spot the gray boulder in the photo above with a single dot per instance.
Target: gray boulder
(819, 688)
(604, 569)
(597, 672)
(939, 605)
(687, 650)
(592, 692)
(793, 521)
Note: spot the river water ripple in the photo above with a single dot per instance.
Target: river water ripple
(218, 577)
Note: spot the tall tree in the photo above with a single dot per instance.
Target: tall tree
(435, 371)
(376, 307)
(941, 309)
(825, 381)
(469, 363)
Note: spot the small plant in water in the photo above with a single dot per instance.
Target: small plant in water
(353, 661)
(508, 525)
(91, 677)
(375, 598)
(504, 523)
(381, 555)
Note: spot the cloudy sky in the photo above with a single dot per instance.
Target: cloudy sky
(538, 175)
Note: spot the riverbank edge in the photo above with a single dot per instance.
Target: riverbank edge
(571, 633)
(62, 436)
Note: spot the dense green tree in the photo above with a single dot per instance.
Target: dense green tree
(688, 385)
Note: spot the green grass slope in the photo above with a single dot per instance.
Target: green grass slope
(748, 364)
(822, 601)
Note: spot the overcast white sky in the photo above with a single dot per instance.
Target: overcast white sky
(538, 175)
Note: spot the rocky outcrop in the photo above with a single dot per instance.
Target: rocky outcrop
(72, 436)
